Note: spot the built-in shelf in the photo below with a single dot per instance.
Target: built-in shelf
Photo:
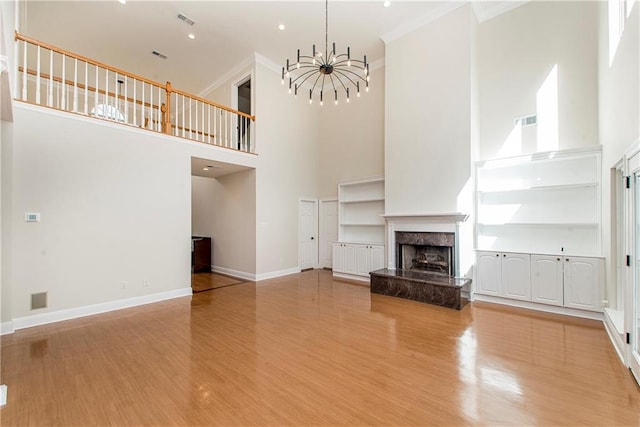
(362, 201)
(540, 203)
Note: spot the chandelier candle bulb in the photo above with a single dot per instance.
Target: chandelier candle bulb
(327, 69)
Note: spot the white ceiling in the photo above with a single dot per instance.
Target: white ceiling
(227, 32)
(215, 168)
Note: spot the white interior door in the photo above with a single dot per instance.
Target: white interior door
(328, 231)
(308, 234)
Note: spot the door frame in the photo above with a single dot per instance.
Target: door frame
(322, 228)
(239, 81)
(633, 281)
(316, 239)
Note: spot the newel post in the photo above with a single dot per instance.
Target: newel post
(166, 110)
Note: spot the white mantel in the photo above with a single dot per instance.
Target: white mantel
(421, 222)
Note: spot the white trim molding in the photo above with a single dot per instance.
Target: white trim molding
(279, 273)
(3, 394)
(539, 307)
(237, 69)
(420, 22)
(90, 310)
(6, 328)
(488, 10)
(233, 273)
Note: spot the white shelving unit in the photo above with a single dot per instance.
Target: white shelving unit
(361, 206)
(360, 246)
(545, 203)
(539, 216)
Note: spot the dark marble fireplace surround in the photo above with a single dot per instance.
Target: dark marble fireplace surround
(425, 272)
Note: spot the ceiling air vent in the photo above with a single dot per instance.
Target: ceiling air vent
(186, 19)
(160, 55)
(526, 120)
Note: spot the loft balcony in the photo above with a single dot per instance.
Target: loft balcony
(52, 77)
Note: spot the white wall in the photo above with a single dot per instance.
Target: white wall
(516, 53)
(115, 206)
(427, 116)
(352, 142)
(203, 205)
(618, 118)
(287, 134)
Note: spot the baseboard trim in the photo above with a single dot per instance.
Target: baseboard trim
(615, 338)
(3, 395)
(279, 273)
(539, 307)
(6, 328)
(233, 273)
(90, 310)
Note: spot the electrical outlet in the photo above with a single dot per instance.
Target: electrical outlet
(145, 283)
(124, 284)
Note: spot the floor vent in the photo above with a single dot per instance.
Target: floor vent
(38, 300)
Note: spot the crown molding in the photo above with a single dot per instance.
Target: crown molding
(488, 10)
(272, 65)
(421, 21)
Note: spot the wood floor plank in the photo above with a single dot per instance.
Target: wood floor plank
(307, 350)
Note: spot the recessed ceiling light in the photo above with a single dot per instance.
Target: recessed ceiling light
(205, 169)
(122, 1)
(214, 166)
(387, 3)
(192, 36)
(281, 27)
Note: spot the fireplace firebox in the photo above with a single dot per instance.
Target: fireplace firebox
(431, 252)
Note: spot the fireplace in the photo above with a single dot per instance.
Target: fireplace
(432, 252)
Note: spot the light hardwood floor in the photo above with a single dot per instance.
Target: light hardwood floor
(305, 349)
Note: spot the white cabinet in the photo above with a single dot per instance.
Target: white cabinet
(582, 278)
(357, 260)
(567, 281)
(360, 246)
(516, 276)
(547, 279)
(505, 275)
(489, 277)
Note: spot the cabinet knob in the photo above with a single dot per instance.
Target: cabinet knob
(558, 259)
(567, 259)
(497, 254)
(504, 255)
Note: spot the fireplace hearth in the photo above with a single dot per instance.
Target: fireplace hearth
(425, 270)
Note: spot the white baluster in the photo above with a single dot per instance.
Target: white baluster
(95, 98)
(190, 118)
(216, 137)
(134, 104)
(151, 108)
(105, 109)
(63, 101)
(209, 123)
(160, 122)
(197, 137)
(144, 107)
(202, 121)
(184, 113)
(24, 71)
(175, 104)
(38, 77)
(75, 85)
(86, 88)
(50, 88)
(126, 99)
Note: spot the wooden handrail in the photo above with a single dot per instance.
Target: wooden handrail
(214, 104)
(163, 105)
(46, 76)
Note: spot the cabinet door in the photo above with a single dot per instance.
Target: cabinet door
(363, 260)
(546, 279)
(516, 276)
(582, 281)
(489, 274)
(338, 257)
(377, 257)
(350, 259)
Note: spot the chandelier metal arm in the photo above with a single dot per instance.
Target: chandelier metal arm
(338, 70)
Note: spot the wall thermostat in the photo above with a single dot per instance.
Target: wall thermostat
(32, 217)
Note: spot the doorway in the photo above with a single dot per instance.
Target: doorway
(243, 103)
(308, 232)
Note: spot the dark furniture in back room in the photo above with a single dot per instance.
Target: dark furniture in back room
(201, 254)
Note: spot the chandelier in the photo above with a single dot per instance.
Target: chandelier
(328, 72)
